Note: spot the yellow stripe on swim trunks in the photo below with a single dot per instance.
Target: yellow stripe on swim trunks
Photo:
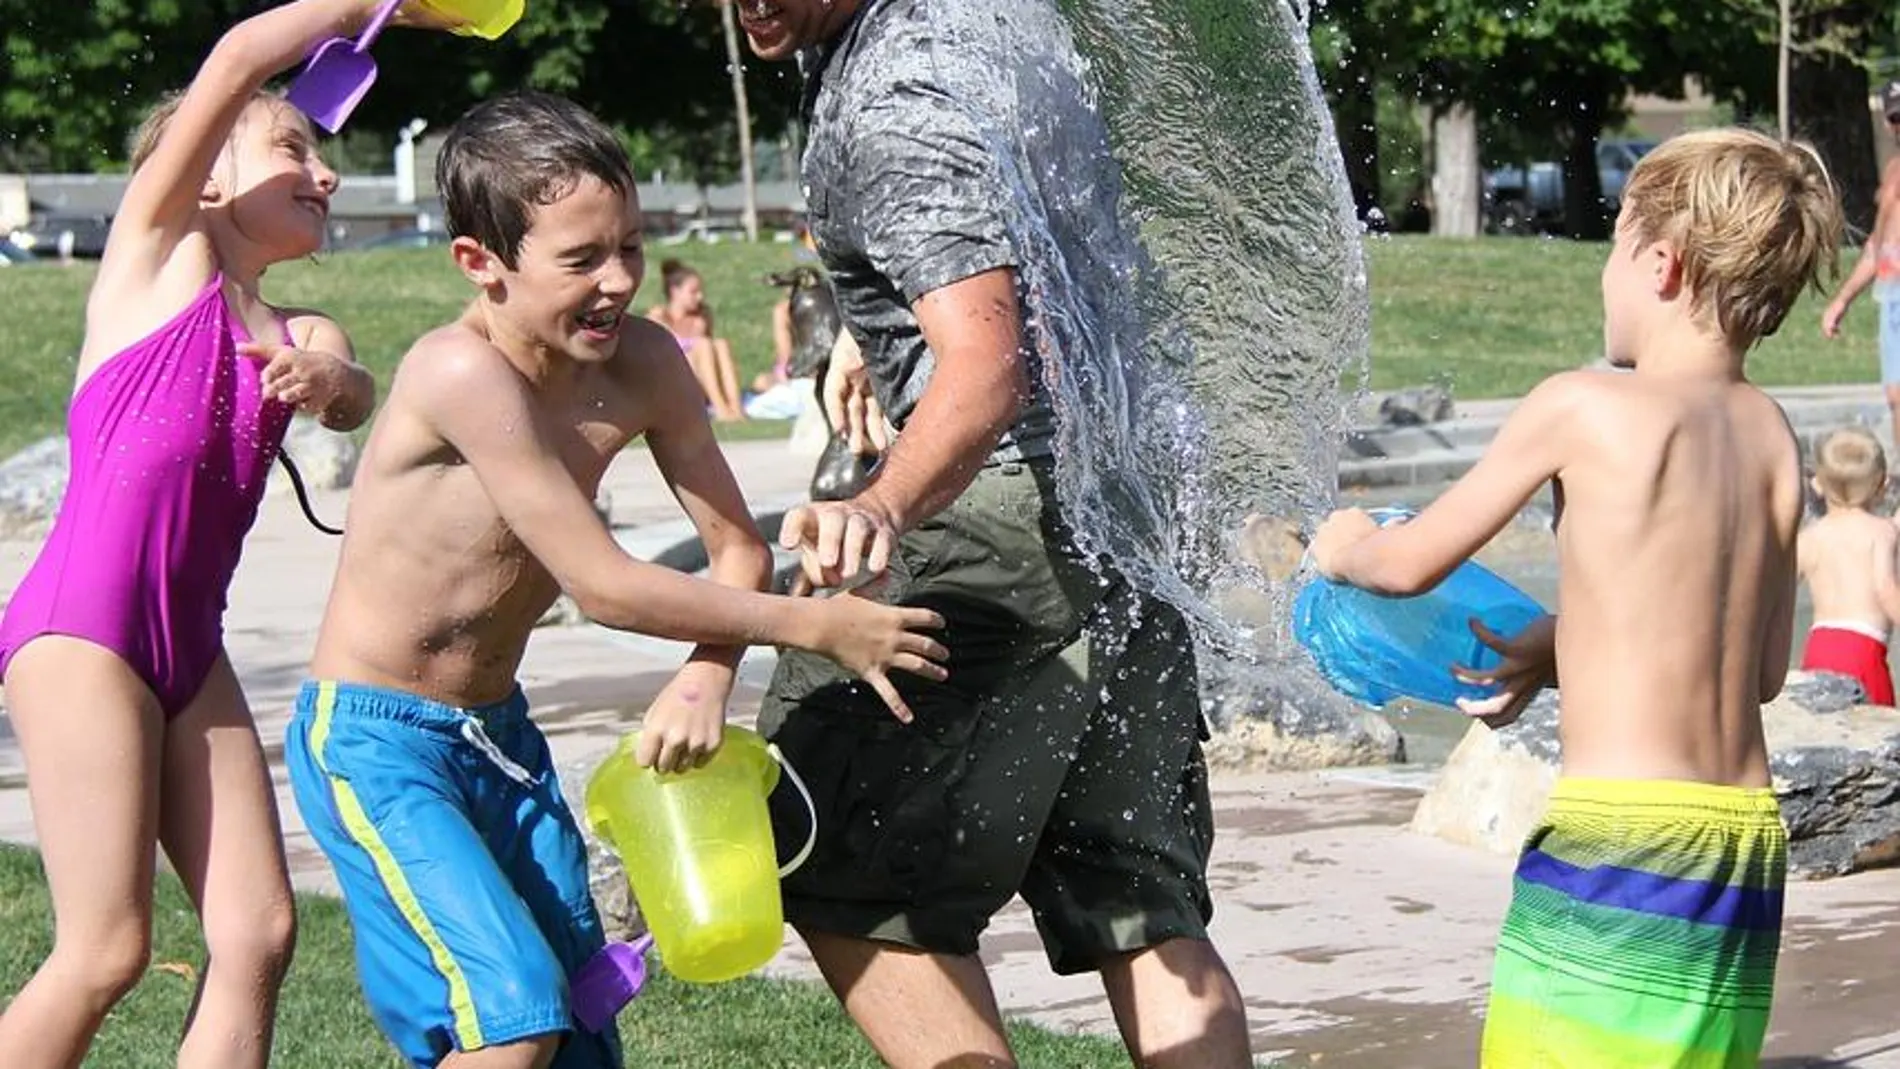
(468, 1028)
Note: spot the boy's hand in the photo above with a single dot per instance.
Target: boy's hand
(686, 722)
(871, 639)
(308, 380)
(1528, 664)
(1342, 530)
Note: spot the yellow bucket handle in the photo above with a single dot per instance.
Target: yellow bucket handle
(811, 840)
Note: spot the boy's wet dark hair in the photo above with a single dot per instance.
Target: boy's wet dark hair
(507, 156)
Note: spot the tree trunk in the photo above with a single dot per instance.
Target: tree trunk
(1586, 217)
(735, 62)
(1357, 115)
(1828, 95)
(1455, 180)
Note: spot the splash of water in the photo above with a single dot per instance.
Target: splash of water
(1194, 307)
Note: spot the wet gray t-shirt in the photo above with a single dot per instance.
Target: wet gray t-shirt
(904, 198)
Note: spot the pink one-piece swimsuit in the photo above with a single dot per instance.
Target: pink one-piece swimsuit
(172, 442)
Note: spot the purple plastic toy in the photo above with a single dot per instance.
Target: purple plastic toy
(339, 74)
(609, 980)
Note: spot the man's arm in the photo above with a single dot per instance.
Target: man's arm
(1411, 558)
(1866, 268)
(973, 328)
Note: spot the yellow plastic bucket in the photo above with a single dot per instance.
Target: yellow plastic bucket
(698, 850)
(479, 18)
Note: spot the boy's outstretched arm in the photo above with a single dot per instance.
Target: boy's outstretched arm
(1411, 558)
(482, 408)
(685, 722)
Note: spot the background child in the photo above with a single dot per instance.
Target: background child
(1646, 912)
(686, 313)
(1847, 558)
(129, 717)
(411, 754)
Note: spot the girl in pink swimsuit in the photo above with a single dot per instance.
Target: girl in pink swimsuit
(130, 720)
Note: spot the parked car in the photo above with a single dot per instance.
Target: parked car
(1530, 200)
(64, 234)
(407, 238)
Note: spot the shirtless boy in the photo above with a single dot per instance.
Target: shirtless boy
(1847, 558)
(411, 754)
(1879, 266)
(1646, 912)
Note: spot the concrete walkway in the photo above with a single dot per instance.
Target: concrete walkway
(1357, 944)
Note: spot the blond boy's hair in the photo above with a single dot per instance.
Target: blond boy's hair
(1756, 220)
(144, 140)
(1850, 467)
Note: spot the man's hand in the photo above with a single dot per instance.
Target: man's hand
(1342, 530)
(1528, 664)
(850, 404)
(308, 380)
(1831, 318)
(836, 540)
(686, 722)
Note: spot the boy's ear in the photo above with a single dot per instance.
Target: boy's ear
(478, 265)
(1666, 262)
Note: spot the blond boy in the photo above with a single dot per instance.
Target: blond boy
(1847, 558)
(1646, 913)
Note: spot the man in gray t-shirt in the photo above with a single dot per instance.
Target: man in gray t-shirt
(1062, 758)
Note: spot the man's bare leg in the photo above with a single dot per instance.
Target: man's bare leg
(919, 1010)
(1893, 406)
(1178, 1007)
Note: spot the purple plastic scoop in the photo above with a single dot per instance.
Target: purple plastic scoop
(339, 73)
(609, 980)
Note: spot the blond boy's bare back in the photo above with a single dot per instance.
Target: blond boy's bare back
(1677, 544)
(1847, 560)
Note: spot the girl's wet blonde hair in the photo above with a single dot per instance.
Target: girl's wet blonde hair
(145, 139)
(1755, 219)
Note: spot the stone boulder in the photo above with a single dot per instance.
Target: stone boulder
(1836, 770)
(325, 458)
(32, 482)
(1283, 717)
(1416, 406)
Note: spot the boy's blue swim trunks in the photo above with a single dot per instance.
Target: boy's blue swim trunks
(462, 868)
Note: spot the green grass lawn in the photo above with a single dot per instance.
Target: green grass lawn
(1488, 317)
(323, 1023)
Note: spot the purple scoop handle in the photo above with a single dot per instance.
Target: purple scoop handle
(609, 980)
(375, 27)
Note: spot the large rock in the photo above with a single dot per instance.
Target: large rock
(32, 482)
(1283, 717)
(325, 458)
(1836, 771)
(1416, 407)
